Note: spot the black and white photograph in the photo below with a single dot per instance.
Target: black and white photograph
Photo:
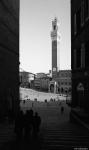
(44, 77)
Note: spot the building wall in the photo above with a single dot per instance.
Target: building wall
(24, 79)
(37, 83)
(9, 55)
(80, 53)
(45, 83)
(42, 83)
(63, 78)
(40, 75)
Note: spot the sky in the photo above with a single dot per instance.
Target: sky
(35, 27)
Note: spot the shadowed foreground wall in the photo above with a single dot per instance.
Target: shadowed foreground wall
(80, 54)
(9, 56)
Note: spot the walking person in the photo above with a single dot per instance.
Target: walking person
(28, 124)
(24, 101)
(36, 124)
(62, 109)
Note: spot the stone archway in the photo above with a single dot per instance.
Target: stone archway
(80, 94)
(53, 87)
(66, 90)
(59, 90)
(62, 90)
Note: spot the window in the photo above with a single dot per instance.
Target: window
(75, 30)
(86, 9)
(87, 54)
(82, 55)
(62, 74)
(78, 20)
(66, 74)
(74, 62)
(82, 13)
(78, 58)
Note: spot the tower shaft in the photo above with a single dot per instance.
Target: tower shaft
(54, 56)
(54, 37)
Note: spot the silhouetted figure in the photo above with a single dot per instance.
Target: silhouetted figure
(54, 99)
(24, 101)
(62, 109)
(36, 124)
(19, 125)
(45, 100)
(28, 124)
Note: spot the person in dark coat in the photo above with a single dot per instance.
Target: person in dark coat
(19, 125)
(28, 123)
(24, 101)
(62, 109)
(36, 124)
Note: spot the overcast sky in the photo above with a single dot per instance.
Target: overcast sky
(35, 26)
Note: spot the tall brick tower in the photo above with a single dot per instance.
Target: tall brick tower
(54, 37)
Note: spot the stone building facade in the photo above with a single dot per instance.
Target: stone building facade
(24, 79)
(80, 54)
(9, 56)
(41, 82)
(62, 80)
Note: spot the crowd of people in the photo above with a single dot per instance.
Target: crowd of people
(27, 125)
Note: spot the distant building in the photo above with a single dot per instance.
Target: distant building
(40, 75)
(45, 83)
(37, 83)
(9, 57)
(62, 80)
(24, 79)
(41, 82)
(80, 54)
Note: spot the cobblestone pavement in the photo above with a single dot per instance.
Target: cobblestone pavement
(56, 132)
